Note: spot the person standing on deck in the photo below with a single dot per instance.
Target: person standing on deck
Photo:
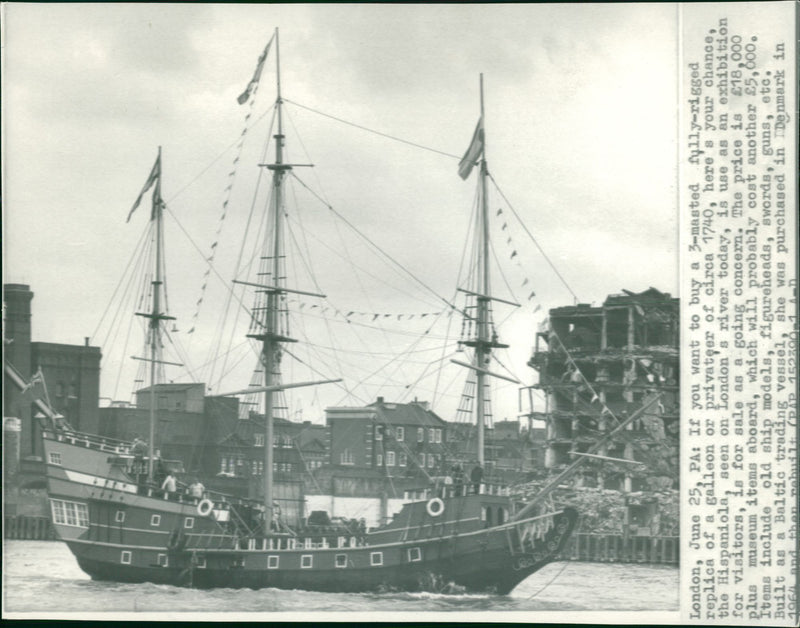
(476, 476)
(169, 483)
(196, 489)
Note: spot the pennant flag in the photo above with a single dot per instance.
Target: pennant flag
(504, 226)
(531, 295)
(474, 151)
(537, 308)
(513, 255)
(191, 331)
(594, 398)
(499, 211)
(155, 174)
(253, 84)
(525, 283)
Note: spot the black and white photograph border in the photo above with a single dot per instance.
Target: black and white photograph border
(475, 202)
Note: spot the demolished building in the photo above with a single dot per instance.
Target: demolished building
(598, 366)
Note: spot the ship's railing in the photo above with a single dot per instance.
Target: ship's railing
(91, 441)
(456, 490)
(273, 543)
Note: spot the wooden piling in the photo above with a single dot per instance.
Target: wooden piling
(616, 548)
(25, 528)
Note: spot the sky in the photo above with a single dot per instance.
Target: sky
(581, 126)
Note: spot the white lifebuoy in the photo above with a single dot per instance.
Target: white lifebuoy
(205, 507)
(435, 507)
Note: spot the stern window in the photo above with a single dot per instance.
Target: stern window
(55, 457)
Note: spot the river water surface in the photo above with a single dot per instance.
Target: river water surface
(42, 579)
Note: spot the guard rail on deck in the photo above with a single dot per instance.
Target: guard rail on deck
(617, 548)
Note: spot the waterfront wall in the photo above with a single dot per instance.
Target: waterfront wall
(619, 548)
(27, 528)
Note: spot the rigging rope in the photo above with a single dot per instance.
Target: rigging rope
(363, 128)
(541, 250)
(375, 246)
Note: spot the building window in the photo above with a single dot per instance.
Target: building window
(125, 557)
(272, 562)
(431, 435)
(306, 561)
(379, 432)
(389, 458)
(162, 560)
(431, 461)
(438, 435)
(346, 457)
(376, 559)
(414, 555)
(420, 434)
(223, 465)
(259, 440)
(402, 459)
(422, 461)
(70, 513)
(55, 457)
(155, 520)
(120, 516)
(399, 433)
(379, 460)
(341, 560)
(188, 523)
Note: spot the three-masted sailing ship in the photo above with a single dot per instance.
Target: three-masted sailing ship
(122, 526)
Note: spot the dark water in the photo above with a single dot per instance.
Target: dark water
(43, 578)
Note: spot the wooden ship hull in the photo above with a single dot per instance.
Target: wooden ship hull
(121, 531)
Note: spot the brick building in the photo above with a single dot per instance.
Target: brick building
(393, 439)
(71, 372)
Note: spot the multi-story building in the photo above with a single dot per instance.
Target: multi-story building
(298, 448)
(71, 373)
(395, 439)
(599, 365)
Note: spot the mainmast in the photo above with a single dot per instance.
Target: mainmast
(271, 339)
(272, 331)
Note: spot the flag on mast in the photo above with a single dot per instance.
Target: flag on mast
(251, 86)
(155, 174)
(474, 151)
